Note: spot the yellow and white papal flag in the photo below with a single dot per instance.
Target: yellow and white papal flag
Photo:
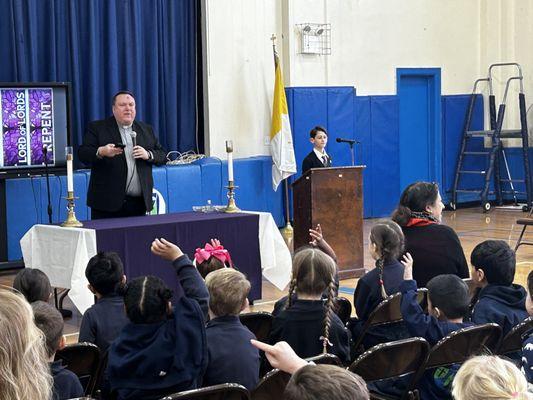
(281, 147)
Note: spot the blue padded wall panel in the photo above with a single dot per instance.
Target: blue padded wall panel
(23, 210)
(273, 200)
(58, 192)
(310, 108)
(160, 184)
(363, 133)
(385, 171)
(212, 185)
(454, 109)
(184, 187)
(340, 123)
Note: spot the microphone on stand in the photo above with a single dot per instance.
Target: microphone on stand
(349, 141)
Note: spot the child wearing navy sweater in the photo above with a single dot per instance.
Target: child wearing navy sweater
(303, 319)
(527, 347)
(232, 358)
(500, 301)
(386, 243)
(66, 384)
(162, 349)
(447, 305)
(103, 321)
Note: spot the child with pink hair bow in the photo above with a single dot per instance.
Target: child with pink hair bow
(211, 257)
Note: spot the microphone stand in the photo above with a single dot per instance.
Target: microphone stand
(352, 150)
(58, 302)
(47, 175)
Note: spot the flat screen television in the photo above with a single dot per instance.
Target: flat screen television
(35, 121)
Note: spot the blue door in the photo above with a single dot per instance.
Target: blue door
(420, 132)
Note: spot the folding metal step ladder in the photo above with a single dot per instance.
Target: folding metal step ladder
(495, 152)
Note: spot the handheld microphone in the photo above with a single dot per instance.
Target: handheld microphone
(134, 138)
(349, 141)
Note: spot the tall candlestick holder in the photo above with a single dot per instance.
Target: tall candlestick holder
(71, 221)
(232, 206)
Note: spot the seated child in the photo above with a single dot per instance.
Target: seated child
(162, 350)
(103, 321)
(50, 322)
(33, 284)
(500, 301)
(447, 305)
(211, 257)
(313, 382)
(24, 369)
(489, 377)
(527, 348)
(232, 358)
(386, 243)
(304, 321)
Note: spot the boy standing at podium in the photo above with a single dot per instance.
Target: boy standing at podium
(317, 158)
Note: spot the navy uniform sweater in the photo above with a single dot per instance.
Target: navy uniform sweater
(66, 384)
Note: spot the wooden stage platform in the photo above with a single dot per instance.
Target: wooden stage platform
(471, 225)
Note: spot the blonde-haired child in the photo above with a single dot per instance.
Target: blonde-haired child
(489, 378)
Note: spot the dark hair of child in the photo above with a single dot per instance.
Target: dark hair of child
(210, 265)
(389, 240)
(50, 322)
(530, 284)
(496, 259)
(450, 294)
(146, 299)
(317, 129)
(414, 200)
(33, 284)
(104, 272)
(313, 271)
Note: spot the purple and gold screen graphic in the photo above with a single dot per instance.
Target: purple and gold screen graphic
(27, 125)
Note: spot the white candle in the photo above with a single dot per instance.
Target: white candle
(70, 174)
(229, 150)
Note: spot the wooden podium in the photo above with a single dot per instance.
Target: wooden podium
(333, 198)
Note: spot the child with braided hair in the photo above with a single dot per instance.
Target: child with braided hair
(163, 348)
(303, 319)
(386, 244)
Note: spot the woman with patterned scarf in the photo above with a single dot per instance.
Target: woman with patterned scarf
(435, 248)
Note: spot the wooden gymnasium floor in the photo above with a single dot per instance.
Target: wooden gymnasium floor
(471, 225)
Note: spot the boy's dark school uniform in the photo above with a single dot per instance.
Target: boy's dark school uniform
(103, 321)
(231, 356)
(66, 384)
(527, 357)
(367, 297)
(302, 325)
(501, 304)
(149, 361)
(436, 383)
(312, 161)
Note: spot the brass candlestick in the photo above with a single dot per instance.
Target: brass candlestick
(232, 207)
(71, 221)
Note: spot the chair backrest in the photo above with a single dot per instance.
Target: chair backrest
(458, 346)
(224, 391)
(271, 386)
(259, 323)
(513, 340)
(96, 390)
(329, 359)
(82, 359)
(388, 360)
(344, 309)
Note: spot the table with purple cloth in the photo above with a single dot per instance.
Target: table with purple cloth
(131, 239)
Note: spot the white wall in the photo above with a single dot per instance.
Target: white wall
(370, 39)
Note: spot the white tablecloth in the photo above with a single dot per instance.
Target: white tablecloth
(63, 254)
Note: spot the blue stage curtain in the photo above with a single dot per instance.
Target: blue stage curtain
(102, 46)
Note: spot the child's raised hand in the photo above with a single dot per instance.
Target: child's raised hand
(215, 242)
(407, 261)
(165, 249)
(316, 235)
(281, 356)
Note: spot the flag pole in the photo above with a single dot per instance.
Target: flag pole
(287, 232)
